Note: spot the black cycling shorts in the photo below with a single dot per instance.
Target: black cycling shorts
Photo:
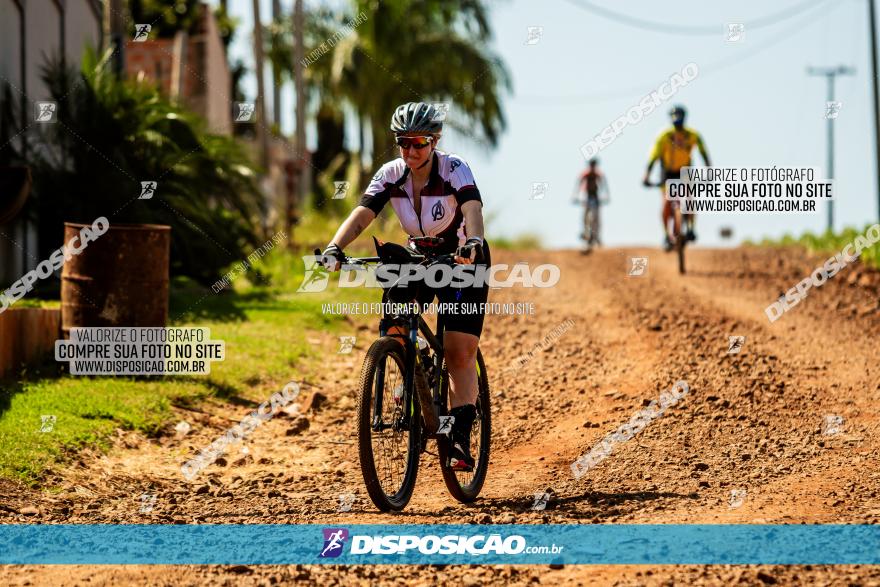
(467, 322)
(670, 174)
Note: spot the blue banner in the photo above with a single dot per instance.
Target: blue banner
(253, 544)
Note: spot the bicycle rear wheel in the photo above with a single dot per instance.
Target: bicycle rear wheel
(389, 452)
(681, 237)
(679, 246)
(464, 486)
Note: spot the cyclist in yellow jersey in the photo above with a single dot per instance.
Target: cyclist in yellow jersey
(673, 150)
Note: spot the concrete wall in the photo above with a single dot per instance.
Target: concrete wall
(43, 35)
(10, 51)
(43, 23)
(82, 27)
(12, 235)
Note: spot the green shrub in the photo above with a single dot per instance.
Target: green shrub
(113, 134)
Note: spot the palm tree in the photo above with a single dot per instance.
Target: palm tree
(320, 96)
(117, 133)
(410, 50)
(422, 50)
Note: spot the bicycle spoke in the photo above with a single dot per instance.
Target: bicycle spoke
(390, 445)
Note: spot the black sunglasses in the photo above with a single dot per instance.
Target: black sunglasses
(414, 142)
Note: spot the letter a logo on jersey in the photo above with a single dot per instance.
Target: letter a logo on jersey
(437, 211)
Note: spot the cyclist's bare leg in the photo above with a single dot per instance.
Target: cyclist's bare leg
(669, 217)
(460, 352)
(677, 221)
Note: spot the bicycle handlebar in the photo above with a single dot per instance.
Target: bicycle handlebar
(445, 258)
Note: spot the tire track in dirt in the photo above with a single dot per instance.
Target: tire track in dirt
(751, 421)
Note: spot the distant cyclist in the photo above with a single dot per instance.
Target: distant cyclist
(591, 183)
(673, 149)
(434, 194)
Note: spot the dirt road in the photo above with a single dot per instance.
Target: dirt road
(782, 432)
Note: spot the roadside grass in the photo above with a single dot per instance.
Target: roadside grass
(526, 241)
(827, 242)
(86, 411)
(267, 328)
(265, 324)
(319, 229)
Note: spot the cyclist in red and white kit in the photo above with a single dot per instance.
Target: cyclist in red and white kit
(433, 194)
(591, 183)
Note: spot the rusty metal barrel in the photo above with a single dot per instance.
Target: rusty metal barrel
(119, 279)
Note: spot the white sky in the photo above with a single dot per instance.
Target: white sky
(753, 103)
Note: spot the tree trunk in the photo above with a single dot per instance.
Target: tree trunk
(299, 142)
(361, 149)
(276, 73)
(262, 136)
(381, 151)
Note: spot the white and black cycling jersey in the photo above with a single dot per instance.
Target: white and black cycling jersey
(450, 185)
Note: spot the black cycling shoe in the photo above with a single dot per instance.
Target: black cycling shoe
(460, 458)
(691, 235)
(668, 244)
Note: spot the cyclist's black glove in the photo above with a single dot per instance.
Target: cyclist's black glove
(332, 257)
(472, 249)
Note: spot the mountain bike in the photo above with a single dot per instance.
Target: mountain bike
(404, 391)
(679, 236)
(590, 235)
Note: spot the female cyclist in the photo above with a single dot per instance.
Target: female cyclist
(433, 194)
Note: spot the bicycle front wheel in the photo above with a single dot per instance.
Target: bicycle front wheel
(389, 446)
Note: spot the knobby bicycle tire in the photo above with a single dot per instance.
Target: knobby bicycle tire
(382, 350)
(469, 491)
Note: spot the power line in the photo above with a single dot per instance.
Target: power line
(701, 30)
(706, 70)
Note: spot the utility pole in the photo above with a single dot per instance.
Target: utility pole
(262, 134)
(872, 19)
(831, 111)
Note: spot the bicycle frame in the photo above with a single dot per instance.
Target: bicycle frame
(433, 400)
(431, 406)
(439, 398)
(418, 376)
